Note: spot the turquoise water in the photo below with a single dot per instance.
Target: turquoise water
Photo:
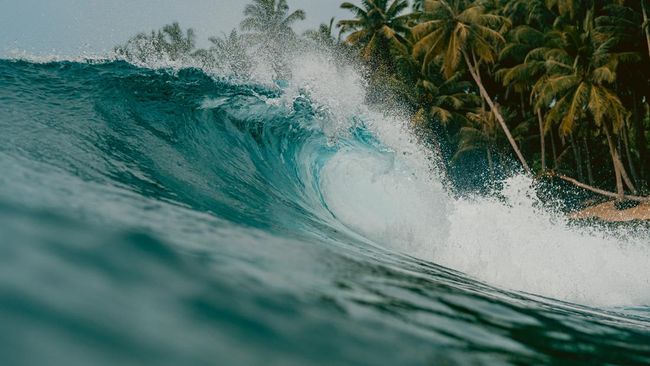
(173, 218)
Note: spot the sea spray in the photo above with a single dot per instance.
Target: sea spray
(396, 197)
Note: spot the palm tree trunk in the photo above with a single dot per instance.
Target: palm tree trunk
(554, 149)
(601, 191)
(522, 105)
(541, 138)
(620, 191)
(645, 20)
(576, 156)
(626, 178)
(490, 163)
(628, 155)
(641, 143)
(473, 70)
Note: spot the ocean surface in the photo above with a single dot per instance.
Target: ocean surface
(170, 216)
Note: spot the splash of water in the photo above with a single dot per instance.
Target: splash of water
(396, 197)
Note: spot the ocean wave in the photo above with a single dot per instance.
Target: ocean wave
(249, 211)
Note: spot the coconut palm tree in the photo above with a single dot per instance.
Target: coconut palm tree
(268, 25)
(524, 50)
(323, 36)
(566, 7)
(579, 86)
(463, 32)
(230, 51)
(270, 20)
(532, 13)
(442, 100)
(170, 42)
(176, 42)
(622, 26)
(479, 133)
(447, 101)
(646, 23)
(378, 26)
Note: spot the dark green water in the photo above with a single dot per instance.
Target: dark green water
(170, 218)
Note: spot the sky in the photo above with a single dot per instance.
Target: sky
(87, 27)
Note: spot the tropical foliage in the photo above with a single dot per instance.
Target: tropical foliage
(230, 52)
(171, 43)
(548, 82)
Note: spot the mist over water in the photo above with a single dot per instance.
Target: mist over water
(166, 213)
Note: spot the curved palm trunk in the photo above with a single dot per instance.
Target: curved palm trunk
(553, 150)
(628, 155)
(620, 191)
(575, 148)
(473, 70)
(645, 19)
(490, 163)
(600, 191)
(639, 136)
(626, 178)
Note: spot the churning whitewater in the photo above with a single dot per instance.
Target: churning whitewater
(265, 215)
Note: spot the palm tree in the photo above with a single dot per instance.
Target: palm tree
(462, 31)
(230, 51)
(270, 20)
(170, 42)
(565, 7)
(578, 85)
(444, 101)
(646, 23)
(324, 36)
(432, 97)
(448, 100)
(622, 27)
(268, 23)
(479, 133)
(532, 13)
(526, 44)
(177, 43)
(377, 27)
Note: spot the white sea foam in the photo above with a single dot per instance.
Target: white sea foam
(517, 244)
(396, 198)
(511, 243)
